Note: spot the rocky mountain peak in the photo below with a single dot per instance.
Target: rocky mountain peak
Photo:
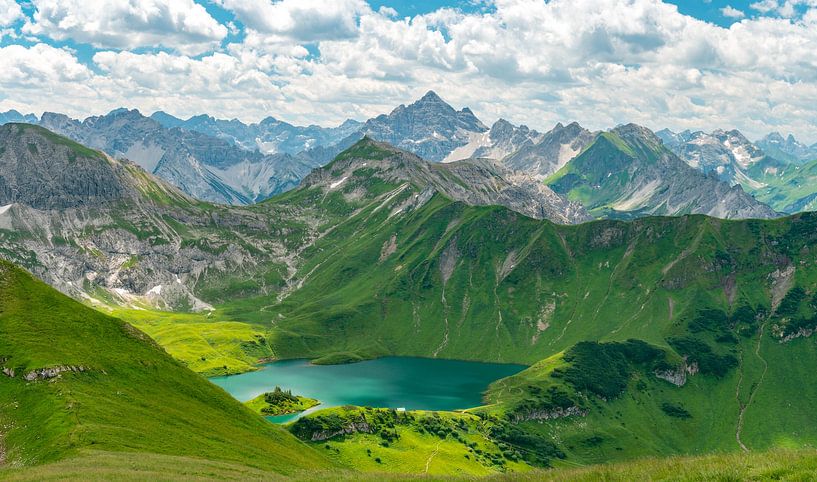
(429, 127)
(639, 134)
(431, 97)
(776, 137)
(478, 182)
(501, 128)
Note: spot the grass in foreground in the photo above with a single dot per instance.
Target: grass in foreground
(786, 465)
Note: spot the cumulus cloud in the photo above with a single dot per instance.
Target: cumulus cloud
(600, 62)
(300, 20)
(180, 24)
(732, 12)
(10, 12)
(783, 8)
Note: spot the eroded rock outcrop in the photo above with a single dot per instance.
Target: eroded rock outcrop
(53, 372)
(352, 427)
(548, 414)
(678, 376)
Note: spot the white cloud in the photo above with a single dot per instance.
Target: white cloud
(10, 11)
(732, 12)
(179, 24)
(765, 6)
(300, 20)
(783, 8)
(600, 62)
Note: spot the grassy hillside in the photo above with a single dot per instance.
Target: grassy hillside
(773, 465)
(83, 380)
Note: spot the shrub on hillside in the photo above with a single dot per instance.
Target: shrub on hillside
(605, 368)
(699, 352)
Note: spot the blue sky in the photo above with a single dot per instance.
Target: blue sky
(747, 64)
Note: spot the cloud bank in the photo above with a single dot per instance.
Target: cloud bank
(600, 62)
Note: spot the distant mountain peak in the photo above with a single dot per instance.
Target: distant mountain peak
(429, 127)
(633, 131)
(431, 96)
(123, 110)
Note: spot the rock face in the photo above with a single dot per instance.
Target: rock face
(203, 166)
(478, 182)
(429, 127)
(787, 149)
(628, 172)
(551, 414)
(678, 376)
(82, 221)
(500, 141)
(270, 136)
(45, 172)
(524, 150)
(552, 151)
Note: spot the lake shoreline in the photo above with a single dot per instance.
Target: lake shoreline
(411, 383)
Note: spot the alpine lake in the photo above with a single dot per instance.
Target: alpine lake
(391, 382)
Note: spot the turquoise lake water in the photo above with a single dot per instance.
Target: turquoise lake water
(391, 382)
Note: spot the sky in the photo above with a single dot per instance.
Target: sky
(697, 64)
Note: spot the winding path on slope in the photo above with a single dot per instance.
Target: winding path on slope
(433, 454)
(753, 390)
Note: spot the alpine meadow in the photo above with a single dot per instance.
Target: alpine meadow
(255, 267)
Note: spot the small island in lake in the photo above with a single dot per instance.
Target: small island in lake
(280, 402)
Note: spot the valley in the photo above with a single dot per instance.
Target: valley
(523, 323)
(397, 240)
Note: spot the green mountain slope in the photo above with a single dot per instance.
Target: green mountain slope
(75, 379)
(791, 188)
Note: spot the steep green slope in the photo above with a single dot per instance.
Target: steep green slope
(483, 283)
(75, 379)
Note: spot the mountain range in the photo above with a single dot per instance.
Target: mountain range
(235, 163)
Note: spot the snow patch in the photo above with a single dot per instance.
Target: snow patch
(156, 290)
(338, 183)
(742, 157)
(5, 208)
(476, 140)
